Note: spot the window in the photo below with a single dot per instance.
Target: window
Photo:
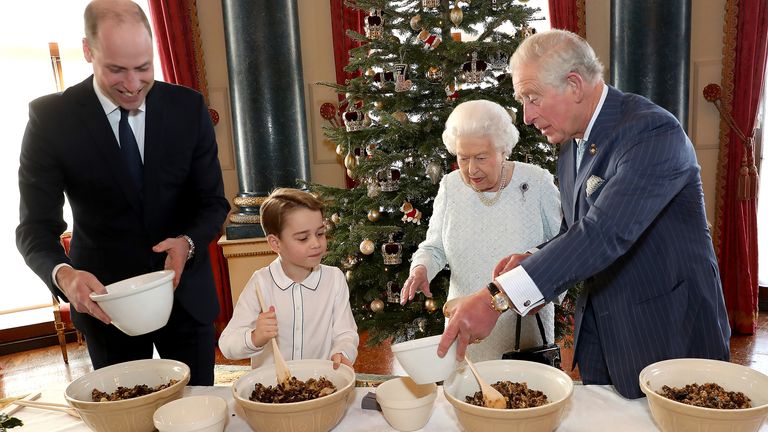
(26, 28)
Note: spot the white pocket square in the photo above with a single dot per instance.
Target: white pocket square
(593, 184)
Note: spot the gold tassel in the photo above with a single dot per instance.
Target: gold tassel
(744, 183)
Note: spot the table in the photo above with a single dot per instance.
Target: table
(592, 408)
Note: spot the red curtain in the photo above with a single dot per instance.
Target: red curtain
(568, 15)
(744, 56)
(181, 56)
(345, 18)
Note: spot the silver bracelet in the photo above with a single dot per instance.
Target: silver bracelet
(191, 252)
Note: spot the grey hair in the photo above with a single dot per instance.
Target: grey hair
(558, 53)
(481, 118)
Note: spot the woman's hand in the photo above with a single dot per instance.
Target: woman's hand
(417, 281)
(266, 328)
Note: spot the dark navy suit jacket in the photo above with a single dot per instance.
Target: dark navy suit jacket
(69, 147)
(639, 241)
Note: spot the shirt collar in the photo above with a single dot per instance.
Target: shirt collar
(284, 282)
(596, 113)
(107, 104)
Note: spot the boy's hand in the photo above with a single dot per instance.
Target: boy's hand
(266, 328)
(338, 359)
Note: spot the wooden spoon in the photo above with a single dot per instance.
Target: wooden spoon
(491, 397)
(281, 368)
(50, 406)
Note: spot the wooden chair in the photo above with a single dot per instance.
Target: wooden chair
(62, 319)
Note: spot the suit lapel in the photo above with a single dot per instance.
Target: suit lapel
(92, 114)
(565, 169)
(153, 138)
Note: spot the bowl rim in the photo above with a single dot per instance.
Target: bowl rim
(652, 394)
(290, 406)
(219, 415)
(409, 403)
(89, 404)
(417, 343)
(165, 276)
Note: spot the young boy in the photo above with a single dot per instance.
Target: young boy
(308, 302)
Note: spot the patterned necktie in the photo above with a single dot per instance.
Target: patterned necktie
(581, 145)
(130, 150)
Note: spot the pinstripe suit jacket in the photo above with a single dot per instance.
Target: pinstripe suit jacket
(639, 242)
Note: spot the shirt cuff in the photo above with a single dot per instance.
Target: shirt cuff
(532, 250)
(249, 342)
(56, 270)
(520, 289)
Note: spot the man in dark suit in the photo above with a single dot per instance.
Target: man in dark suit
(137, 160)
(634, 226)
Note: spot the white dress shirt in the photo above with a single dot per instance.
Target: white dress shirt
(516, 283)
(314, 317)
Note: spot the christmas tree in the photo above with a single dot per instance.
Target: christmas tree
(413, 71)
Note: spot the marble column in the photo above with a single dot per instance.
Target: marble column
(267, 99)
(650, 51)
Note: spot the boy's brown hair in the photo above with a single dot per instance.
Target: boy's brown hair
(281, 202)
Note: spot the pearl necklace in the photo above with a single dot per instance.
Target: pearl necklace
(488, 202)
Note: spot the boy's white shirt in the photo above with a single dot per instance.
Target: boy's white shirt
(314, 317)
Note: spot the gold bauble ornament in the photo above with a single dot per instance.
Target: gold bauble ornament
(374, 215)
(400, 116)
(430, 305)
(457, 16)
(349, 161)
(367, 247)
(377, 305)
(416, 22)
(348, 275)
(340, 150)
(335, 218)
(350, 174)
(378, 104)
(370, 72)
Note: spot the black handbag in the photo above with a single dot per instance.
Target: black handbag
(547, 353)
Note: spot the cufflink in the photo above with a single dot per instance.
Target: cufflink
(527, 303)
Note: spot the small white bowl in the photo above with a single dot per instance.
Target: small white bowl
(192, 414)
(140, 304)
(419, 359)
(406, 406)
(671, 415)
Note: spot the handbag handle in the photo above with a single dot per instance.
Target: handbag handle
(519, 324)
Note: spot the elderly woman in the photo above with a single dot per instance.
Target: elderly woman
(487, 208)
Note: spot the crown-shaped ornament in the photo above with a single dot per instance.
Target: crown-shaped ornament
(389, 179)
(392, 251)
(474, 70)
(430, 3)
(498, 60)
(354, 120)
(374, 25)
(393, 292)
(381, 78)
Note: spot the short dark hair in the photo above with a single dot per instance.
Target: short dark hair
(281, 202)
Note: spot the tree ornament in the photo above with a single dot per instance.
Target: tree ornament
(452, 92)
(374, 215)
(474, 71)
(431, 40)
(434, 172)
(412, 214)
(335, 218)
(430, 305)
(349, 161)
(401, 83)
(416, 22)
(392, 251)
(434, 74)
(367, 247)
(348, 275)
(339, 149)
(389, 180)
(374, 189)
(370, 72)
(457, 16)
(393, 292)
(370, 149)
(377, 305)
(374, 25)
(526, 31)
(328, 224)
(499, 60)
(378, 104)
(400, 116)
(354, 120)
(383, 77)
(430, 4)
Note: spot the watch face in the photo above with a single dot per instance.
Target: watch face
(500, 303)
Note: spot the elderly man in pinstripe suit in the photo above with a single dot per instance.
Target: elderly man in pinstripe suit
(634, 228)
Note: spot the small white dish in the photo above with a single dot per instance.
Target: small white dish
(419, 359)
(140, 304)
(192, 414)
(406, 406)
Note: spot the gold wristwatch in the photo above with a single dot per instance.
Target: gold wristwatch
(499, 300)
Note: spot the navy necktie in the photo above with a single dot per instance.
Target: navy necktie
(130, 150)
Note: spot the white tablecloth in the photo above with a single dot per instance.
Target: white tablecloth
(592, 408)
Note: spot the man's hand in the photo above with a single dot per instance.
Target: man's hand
(471, 320)
(340, 358)
(77, 285)
(266, 328)
(177, 250)
(417, 281)
(508, 263)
